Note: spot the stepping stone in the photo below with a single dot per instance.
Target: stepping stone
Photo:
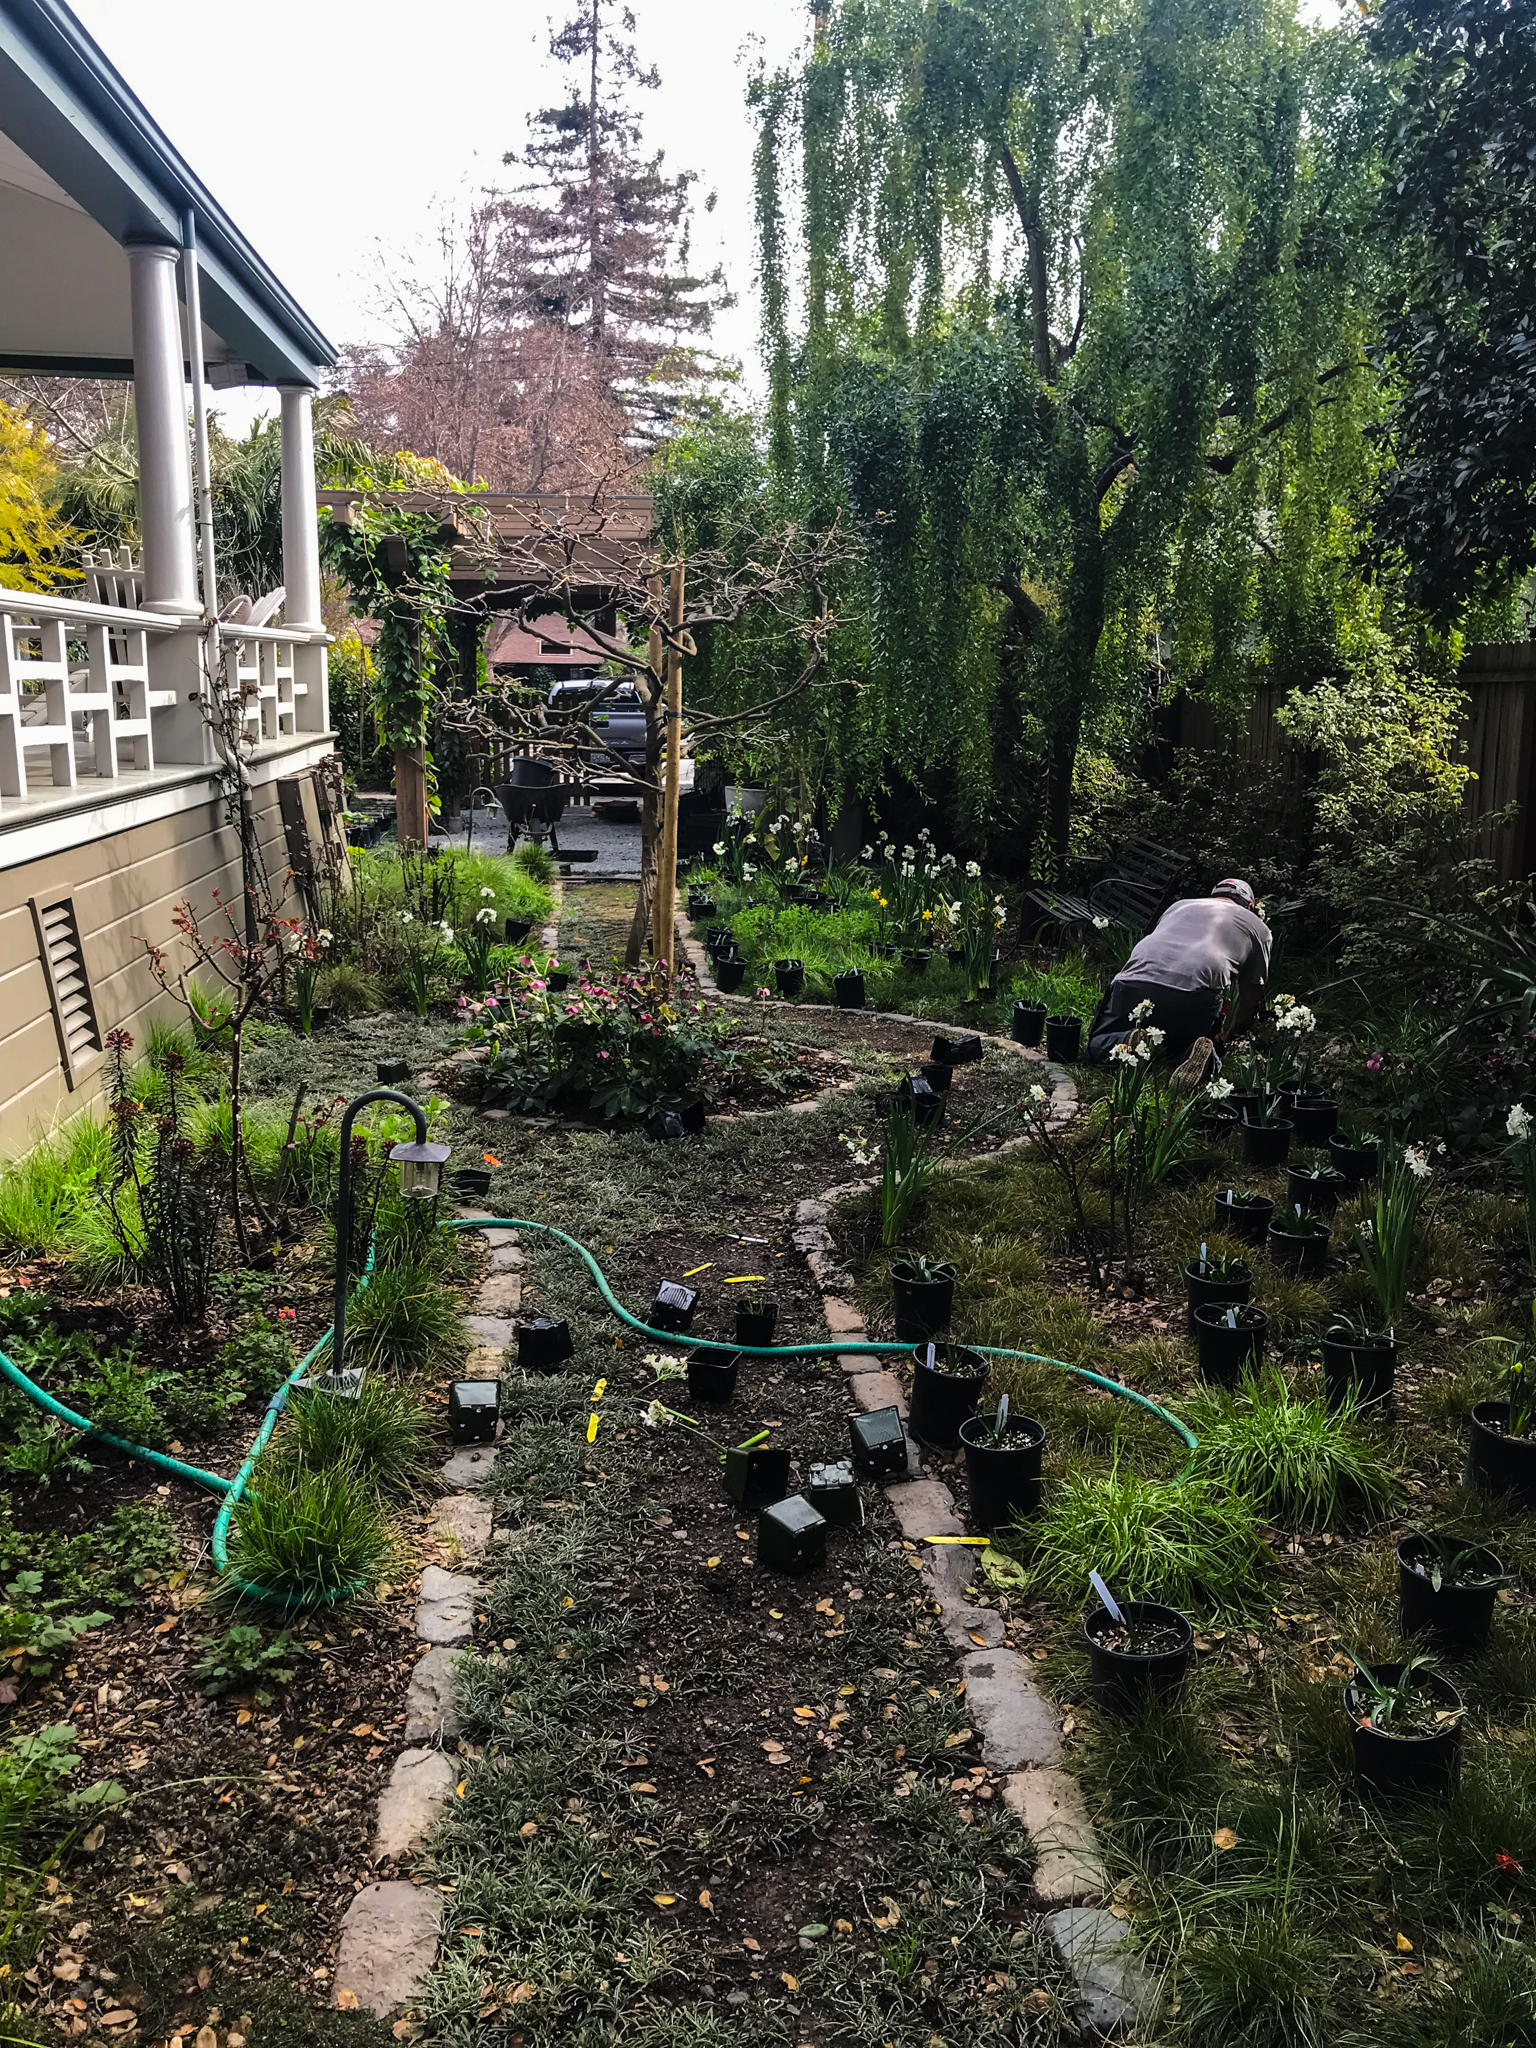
(419, 1787)
(492, 1330)
(926, 1507)
(506, 1258)
(874, 1389)
(430, 1713)
(387, 1947)
(500, 1295)
(843, 1319)
(811, 1212)
(464, 1521)
(483, 1364)
(472, 1465)
(1115, 1992)
(1016, 1725)
(1050, 1804)
(445, 1612)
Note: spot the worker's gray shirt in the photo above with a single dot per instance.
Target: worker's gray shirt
(1202, 942)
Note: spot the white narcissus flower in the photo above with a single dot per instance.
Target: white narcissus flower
(486, 916)
(1100, 924)
(1123, 1054)
(719, 846)
(868, 853)
(324, 938)
(1296, 1019)
(1142, 1014)
(973, 869)
(1219, 1089)
(489, 892)
(655, 1416)
(1037, 1093)
(447, 931)
(1416, 1161)
(1518, 1122)
(406, 918)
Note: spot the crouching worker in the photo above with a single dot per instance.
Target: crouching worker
(1183, 968)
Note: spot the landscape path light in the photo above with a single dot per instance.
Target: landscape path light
(421, 1173)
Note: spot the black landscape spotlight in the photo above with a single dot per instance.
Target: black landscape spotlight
(421, 1174)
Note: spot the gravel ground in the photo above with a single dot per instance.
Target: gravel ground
(616, 839)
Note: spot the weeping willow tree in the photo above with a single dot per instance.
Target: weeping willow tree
(1070, 310)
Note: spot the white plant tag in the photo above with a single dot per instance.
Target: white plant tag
(931, 1351)
(1106, 1598)
(1002, 1415)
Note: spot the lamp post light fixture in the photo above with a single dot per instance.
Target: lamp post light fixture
(421, 1173)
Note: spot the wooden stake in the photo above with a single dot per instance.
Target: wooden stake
(411, 795)
(667, 879)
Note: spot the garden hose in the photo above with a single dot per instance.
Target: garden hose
(232, 1490)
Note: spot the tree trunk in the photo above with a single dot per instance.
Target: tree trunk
(1063, 767)
(411, 795)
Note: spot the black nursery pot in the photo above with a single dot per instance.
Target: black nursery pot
(1366, 1369)
(1063, 1038)
(544, 1344)
(1206, 1292)
(879, 1443)
(1497, 1463)
(757, 1478)
(558, 981)
(944, 1393)
(1226, 1354)
(674, 1306)
(701, 906)
(937, 1077)
(718, 939)
(1266, 1144)
(956, 1052)
(1004, 1478)
(1357, 1163)
(392, 1072)
(791, 1536)
(833, 1492)
(517, 929)
(1244, 1103)
(1316, 1117)
(916, 959)
(923, 1307)
(1418, 1765)
(729, 975)
(472, 1411)
(1028, 1023)
(849, 989)
(712, 1374)
(1319, 1196)
(755, 1328)
(789, 976)
(1123, 1680)
(1246, 1220)
(1456, 1621)
(1307, 1256)
(925, 1101)
(472, 1183)
(955, 955)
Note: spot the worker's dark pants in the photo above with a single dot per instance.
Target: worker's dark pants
(1181, 1014)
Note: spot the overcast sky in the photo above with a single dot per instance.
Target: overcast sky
(326, 130)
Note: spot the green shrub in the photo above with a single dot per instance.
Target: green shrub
(404, 1320)
(117, 1397)
(194, 1406)
(242, 1660)
(259, 1359)
(1188, 1543)
(350, 990)
(1297, 1462)
(382, 1435)
(536, 862)
(309, 1535)
(1262, 1984)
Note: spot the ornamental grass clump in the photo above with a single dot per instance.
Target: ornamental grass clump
(404, 1320)
(311, 1536)
(381, 1435)
(1186, 1543)
(1295, 1462)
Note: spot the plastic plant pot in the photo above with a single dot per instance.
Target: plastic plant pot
(754, 1328)
(789, 976)
(1357, 1163)
(1318, 1193)
(944, 1392)
(1063, 1038)
(879, 1443)
(1458, 1618)
(712, 1374)
(1028, 1023)
(1499, 1463)
(701, 906)
(665, 1126)
(956, 1052)
(757, 1478)
(557, 980)
(1124, 1679)
(1422, 1766)
(392, 1072)
(791, 1536)
(1244, 1103)
(1307, 1256)
(1365, 1370)
(1227, 1353)
(939, 1078)
(544, 1344)
(1266, 1144)
(833, 1492)
(916, 959)
(718, 939)
(955, 955)
(471, 1183)
(1204, 1291)
(322, 1014)
(729, 975)
(516, 929)
(1316, 1117)
(1004, 1477)
(1248, 1221)
(848, 988)
(688, 1113)
(926, 1102)
(923, 1307)
(674, 1306)
(472, 1411)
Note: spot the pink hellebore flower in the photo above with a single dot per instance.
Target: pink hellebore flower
(538, 984)
(1373, 1064)
(602, 1055)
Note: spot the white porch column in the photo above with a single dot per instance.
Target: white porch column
(166, 516)
(301, 541)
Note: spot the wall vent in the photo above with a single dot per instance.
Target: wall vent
(69, 985)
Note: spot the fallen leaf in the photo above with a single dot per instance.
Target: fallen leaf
(349, 2001)
(94, 1840)
(954, 1741)
(490, 1159)
(363, 1728)
(664, 1898)
(119, 2016)
(242, 1717)
(1404, 1946)
(891, 1917)
(790, 1983)
(977, 1637)
(529, 1827)
(1224, 1838)
(706, 1902)
(458, 1790)
(710, 1563)
(521, 1991)
(206, 2038)
(805, 1713)
(642, 1788)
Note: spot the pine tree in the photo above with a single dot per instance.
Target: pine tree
(604, 232)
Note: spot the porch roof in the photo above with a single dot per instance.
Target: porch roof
(84, 170)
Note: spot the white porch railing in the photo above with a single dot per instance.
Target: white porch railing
(103, 691)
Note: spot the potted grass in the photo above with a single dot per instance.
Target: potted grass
(1028, 1022)
(1137, 1649)
(1446, 1588)
(1003, 1453)
(1063, 1038)
(1405, 1727)
(1298, 1242)
(1229, 1340)
(1361, 1352)
(730, 972)
(1313, 1111)
(1238, 1213)
(1215, 1282)
(789, 976)
(1316, 1189)
(924, 1291)
(756, 1316)
(1501, 1457)
(1355, 1152)
(946, 1381)
(1266, 1133)
(1359, 1362)
(916, 958)
(848, 988)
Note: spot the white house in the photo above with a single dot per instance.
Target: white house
(111, 755)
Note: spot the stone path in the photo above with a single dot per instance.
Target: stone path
(389, 1934)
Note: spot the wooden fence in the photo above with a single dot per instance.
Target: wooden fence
(1498, 736)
